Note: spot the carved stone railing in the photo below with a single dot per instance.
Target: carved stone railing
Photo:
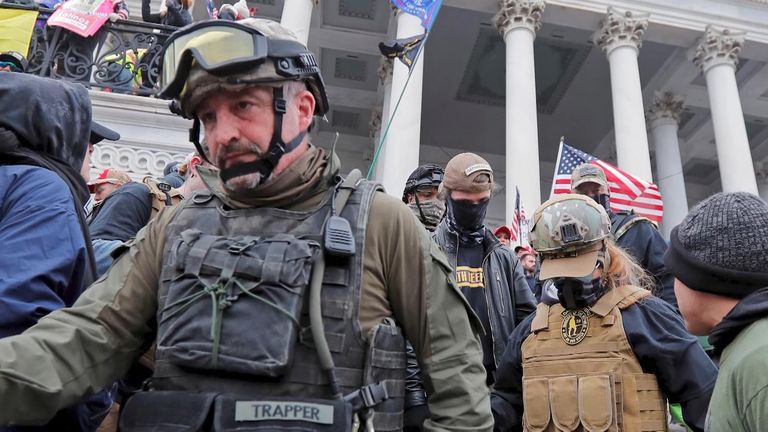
(122, 57)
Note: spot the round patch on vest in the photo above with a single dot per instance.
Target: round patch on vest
(575, 326)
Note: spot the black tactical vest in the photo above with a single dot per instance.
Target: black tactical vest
(233, 307)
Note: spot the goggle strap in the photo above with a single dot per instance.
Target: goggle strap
(194, 138)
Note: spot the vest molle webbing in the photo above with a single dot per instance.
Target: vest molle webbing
(580, 374)
(268, 251)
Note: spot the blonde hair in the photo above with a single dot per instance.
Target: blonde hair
(624, 270)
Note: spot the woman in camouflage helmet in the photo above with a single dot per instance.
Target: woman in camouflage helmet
(600, 352)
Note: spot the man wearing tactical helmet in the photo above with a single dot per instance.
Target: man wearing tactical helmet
(603, 354)
(420, 194)
(637, 234)
(272, 296)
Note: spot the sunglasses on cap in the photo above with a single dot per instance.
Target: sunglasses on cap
(13, 66)
(222, 47)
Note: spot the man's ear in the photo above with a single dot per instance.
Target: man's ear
(305, 102)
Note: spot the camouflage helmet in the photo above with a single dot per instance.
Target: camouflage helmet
(569, 232)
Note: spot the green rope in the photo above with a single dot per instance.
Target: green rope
(217, 291)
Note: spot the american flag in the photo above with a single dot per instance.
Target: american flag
(519, 226)
(627, 191)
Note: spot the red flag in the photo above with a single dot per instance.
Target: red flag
(627, 191)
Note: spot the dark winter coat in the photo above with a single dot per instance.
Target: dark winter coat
(508, 296)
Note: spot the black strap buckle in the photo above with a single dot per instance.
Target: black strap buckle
(367, 397)
(239, 247)
(281, 106)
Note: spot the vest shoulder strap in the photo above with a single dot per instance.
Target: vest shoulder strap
(541, 320)
(622, 228)
(621, 297)
(347, 187)
(160, 197)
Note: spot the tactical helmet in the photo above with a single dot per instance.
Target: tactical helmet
(425, 175)
(568, 232)
(226, 55)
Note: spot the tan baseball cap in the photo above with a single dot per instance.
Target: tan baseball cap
(468, 172)
(571, 266)
(588, 173)
(109, 175)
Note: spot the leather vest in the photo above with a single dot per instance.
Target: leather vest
(580, 374)
(219, 336)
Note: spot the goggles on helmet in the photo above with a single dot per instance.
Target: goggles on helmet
(224, 47)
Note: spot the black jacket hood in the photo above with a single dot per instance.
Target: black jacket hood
(49, 117)
(750, 309)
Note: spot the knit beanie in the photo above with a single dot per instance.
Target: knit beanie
(721, 247)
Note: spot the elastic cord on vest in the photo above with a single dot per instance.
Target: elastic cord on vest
(316, 324)
(277, 148)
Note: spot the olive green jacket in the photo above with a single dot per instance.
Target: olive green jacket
(76, 351)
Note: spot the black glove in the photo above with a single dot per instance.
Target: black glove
(414, 418)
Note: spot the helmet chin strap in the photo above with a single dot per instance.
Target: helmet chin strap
(277, 148)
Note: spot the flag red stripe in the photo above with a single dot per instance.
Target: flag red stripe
(637, 206)
(636, 185)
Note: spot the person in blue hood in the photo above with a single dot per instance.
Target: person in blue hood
(45, 134)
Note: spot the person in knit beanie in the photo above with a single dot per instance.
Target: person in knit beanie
(719, 257)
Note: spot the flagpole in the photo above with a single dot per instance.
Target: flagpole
(557, 167)
(518, 215)
(383, 138)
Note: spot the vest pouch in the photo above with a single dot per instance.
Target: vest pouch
(564, 403)
(385, 365)
(282, 414)
(597, 403)
(171, 411)
(233, 303)
(536, 402)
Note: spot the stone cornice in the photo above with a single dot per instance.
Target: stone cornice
(666, 106)
(718, 46)
(138, 162)
(514, 14)
(621, 28)
(666, 13)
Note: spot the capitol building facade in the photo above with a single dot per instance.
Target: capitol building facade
(673, 91)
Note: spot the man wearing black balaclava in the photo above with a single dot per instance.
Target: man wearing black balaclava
(636, 234)
(489, 275)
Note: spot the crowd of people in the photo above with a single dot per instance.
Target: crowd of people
(256, 288)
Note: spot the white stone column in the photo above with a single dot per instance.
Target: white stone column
(400, 155)
(663, 119)
(297, 15)
(620, 36)
(717, 54)
(518, 21)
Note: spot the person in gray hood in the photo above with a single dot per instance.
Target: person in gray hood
(45, 128)
(490, 275)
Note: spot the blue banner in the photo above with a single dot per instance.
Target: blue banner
(425, 10)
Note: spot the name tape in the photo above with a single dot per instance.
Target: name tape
(285, 411)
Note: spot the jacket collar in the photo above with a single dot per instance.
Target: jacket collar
(750, 309)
